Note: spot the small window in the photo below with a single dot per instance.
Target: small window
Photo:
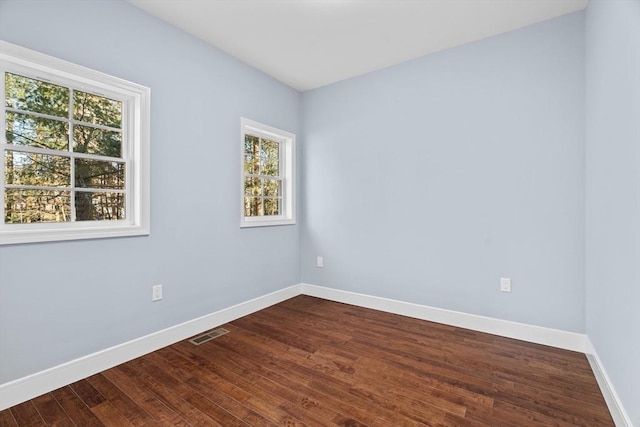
(74, 151)
(267, 156)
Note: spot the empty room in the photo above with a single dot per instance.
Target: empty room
(320, 213)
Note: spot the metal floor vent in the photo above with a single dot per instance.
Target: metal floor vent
(207, 336)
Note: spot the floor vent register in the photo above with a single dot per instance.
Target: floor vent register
(208, 336)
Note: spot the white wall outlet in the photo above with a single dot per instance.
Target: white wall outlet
(156, 294)
(505, 284)
(320, 262)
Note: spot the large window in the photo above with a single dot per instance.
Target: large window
(74, 151)
(267, 157)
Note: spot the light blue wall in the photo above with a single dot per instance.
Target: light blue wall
(428, 181)
(424, 182)
(613, 192)
(60, 301)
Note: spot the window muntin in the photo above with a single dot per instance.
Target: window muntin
(267, 175)
(74, 151)
(93, 124)
(263, 178)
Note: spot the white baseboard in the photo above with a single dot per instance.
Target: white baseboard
(536, 334)
(22, 389)
(618, 413)
(34, 385)
(531, 333)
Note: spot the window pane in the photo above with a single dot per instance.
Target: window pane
(272, 187)
(270, 167)
(97, 141)
(252, 164)
(253, 186)
(253, 206)
(97, 109)
(270, 149)
(272, 206)
(34, 95)
(99, 206)
(27, 206)
(251, 144)
(99, 174)
(36, 169)
(24, 129)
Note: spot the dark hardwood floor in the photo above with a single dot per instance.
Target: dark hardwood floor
(312, 362)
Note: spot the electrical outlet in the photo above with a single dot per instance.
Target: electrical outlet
(505, 284)
(156, 294)
(320, 262)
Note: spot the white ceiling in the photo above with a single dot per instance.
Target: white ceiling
(311, 43)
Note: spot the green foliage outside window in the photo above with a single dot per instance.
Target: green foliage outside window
(65, 153)
(262, 183)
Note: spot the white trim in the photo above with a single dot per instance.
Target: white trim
(34, 385)
(505, 328)
(618, 413)
(135, 130)
(287, 171)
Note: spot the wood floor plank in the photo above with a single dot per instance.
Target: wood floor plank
(26, 414)
(110, 415)
(87, 393)
(296, 401)
(7, 419)
(126, 407)
(294, 382)
(293, 365)
(259, 400)
(51, 411)
(170, 396)
(217, 398)
(76, 409)
(312, 362)
(144, 398)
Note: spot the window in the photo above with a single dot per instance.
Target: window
(267, 175)
(75, 151)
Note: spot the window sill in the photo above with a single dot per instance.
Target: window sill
(249, 223)
(80, 233)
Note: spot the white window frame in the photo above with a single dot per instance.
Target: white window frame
(135, 146)
(287, 172)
